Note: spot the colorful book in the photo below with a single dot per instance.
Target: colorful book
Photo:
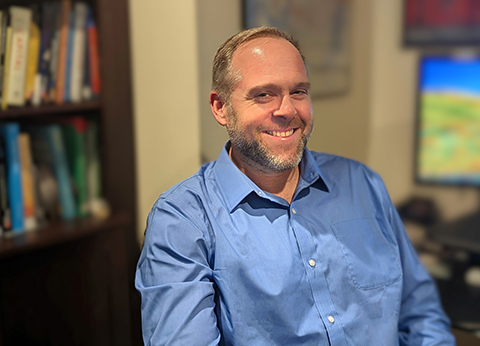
(33, 54)
(62, 51)
(78, 51)
(93, 55)
(5, 214)
(3, 45)
(74, 130)
(48, 24)
(54, 54)
(20, 18)
(28, 185)
(10, 133)
(6, 69)
(68, 65)
(52, 134)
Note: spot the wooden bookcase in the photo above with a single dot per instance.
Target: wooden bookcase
(71, 283)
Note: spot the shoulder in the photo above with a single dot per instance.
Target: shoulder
(187, 198)
(341, 166)
(341, 171)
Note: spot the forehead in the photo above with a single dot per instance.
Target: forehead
(267, 54)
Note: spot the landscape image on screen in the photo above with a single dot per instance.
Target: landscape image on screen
(448, 150)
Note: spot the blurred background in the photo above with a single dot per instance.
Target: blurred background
(378, 114)
(395, 85)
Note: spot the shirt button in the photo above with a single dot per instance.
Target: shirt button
(294, 211)
(331, 319)
(312, 263)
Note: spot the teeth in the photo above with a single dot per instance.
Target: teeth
(280, 133)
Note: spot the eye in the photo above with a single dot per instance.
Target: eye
(264, 97)
(301, 93)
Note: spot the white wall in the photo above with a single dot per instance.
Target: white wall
(165, 77)
(342, 122)
(217, 20)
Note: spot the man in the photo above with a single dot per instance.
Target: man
(273, 244)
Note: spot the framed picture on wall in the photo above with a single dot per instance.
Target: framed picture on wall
(441, 23)
(323, 30)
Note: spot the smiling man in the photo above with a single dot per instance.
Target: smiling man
(273, 244)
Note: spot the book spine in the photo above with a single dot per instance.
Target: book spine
(28, 185)
(94, 175)
(62, 51)
(49, 18)
(6, 218)
(10, 132)
(20, 23)
(62, 171)
(78, 51)
(6, 70)
(68, 65)
(3, 45)
(33, 56)
(75, 132)
(93, 56)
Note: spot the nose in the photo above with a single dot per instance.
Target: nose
(286, 108)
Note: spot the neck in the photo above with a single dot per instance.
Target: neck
(282, 184)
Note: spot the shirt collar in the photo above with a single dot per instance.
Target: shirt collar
(235, 185)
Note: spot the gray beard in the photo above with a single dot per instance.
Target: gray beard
(258, 154)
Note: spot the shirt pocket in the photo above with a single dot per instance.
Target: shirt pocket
(370, 259)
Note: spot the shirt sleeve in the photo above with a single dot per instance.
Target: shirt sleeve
(422, 320)
(174, 280)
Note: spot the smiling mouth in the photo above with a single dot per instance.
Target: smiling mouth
(280, 133)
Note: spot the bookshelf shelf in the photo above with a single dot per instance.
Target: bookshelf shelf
(50, 109)
(58, 232)
(72, 282)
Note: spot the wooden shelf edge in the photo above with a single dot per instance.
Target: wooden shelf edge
(58, 232)
(50, 109)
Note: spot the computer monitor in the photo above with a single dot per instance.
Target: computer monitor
(448, 121)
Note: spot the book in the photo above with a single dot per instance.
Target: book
(20, 18)
(33, 54)
(74, 130)
(49, 12)
(47, 196)
(28, 184)
(68, 64)
(10, 132)
(62, 50)
(6, 69)
(52, 81)
(3, 44)
(5, 215)
(93, 56)
(50, 148)
(78, 51)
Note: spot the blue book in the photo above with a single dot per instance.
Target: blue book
(54, 136)
(10, 132)
(49, 138)
(68, 67)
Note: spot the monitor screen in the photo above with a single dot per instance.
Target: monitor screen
(448, 121)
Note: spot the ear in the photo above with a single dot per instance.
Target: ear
(219, 108)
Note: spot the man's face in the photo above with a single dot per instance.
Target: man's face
(269, 116)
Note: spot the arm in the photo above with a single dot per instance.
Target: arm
(174, 279)
(421, 317)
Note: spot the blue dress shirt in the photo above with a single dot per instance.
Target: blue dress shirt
(225, 263)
